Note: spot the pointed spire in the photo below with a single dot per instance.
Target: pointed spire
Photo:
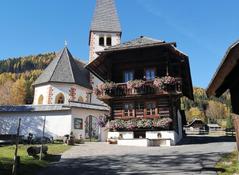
(105, 17)
(65, 69)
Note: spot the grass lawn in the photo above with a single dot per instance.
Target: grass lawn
(29, 165)
(229, 163)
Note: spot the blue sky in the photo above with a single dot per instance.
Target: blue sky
(202, 29)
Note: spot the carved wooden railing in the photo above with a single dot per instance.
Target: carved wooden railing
(121, 90)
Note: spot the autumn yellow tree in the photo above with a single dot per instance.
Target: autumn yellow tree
(5, 93)
(194, 113)
(216, 110)
(18, 92)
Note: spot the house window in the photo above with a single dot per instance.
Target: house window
(108, 41)
(150, 108)
(129, 110)
(40, 100)
(101, 41)
(139, 106)
(150, 74)
(78, 123)
(128, 76)
(60, 99)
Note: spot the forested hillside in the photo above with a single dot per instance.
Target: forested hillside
(215, 110)
(17, 76)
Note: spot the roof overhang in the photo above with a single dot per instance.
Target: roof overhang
(229, 62)
(112, 49)
(89, 106)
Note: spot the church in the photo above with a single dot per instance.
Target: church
(138, 84)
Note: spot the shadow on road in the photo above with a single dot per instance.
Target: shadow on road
(188, 160)
(204, 139)
(187, 163)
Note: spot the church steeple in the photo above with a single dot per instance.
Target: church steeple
(105, 17)
(105, 30)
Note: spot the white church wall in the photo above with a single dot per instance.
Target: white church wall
(65, 89)
(57, 123)
(57, 88)
(94, 47)
(96, 82)
(41, 90)
(83, 114)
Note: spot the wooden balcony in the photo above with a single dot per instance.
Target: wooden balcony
(121, 90)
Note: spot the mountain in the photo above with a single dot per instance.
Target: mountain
(17, 76)
(212, 109)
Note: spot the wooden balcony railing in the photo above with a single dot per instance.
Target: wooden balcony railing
(121, 90)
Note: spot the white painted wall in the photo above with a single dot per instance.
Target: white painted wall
(104, 134)
(83, 114)
(60, 88)
(125, 135)
(164, 135)
(172, 135)
(57, 123)
(95, 81)
(41, 90)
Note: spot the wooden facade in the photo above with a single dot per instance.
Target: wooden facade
(143, 63)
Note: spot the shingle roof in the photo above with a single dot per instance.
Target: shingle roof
(65, 69)
(49, 108)
(105, 17)
(33, 108)
(142, 41)
(227, 64)
(89, 106)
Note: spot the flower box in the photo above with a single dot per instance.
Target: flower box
(139, 124)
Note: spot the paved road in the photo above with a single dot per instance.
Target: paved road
(197, 155)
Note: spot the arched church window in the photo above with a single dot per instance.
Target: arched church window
(80, 99)
(108, 41)
(101, 41)
(40, 100)
(60, 99)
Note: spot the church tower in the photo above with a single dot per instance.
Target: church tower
(105, 30)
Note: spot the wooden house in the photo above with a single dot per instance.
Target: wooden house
(144, 80)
